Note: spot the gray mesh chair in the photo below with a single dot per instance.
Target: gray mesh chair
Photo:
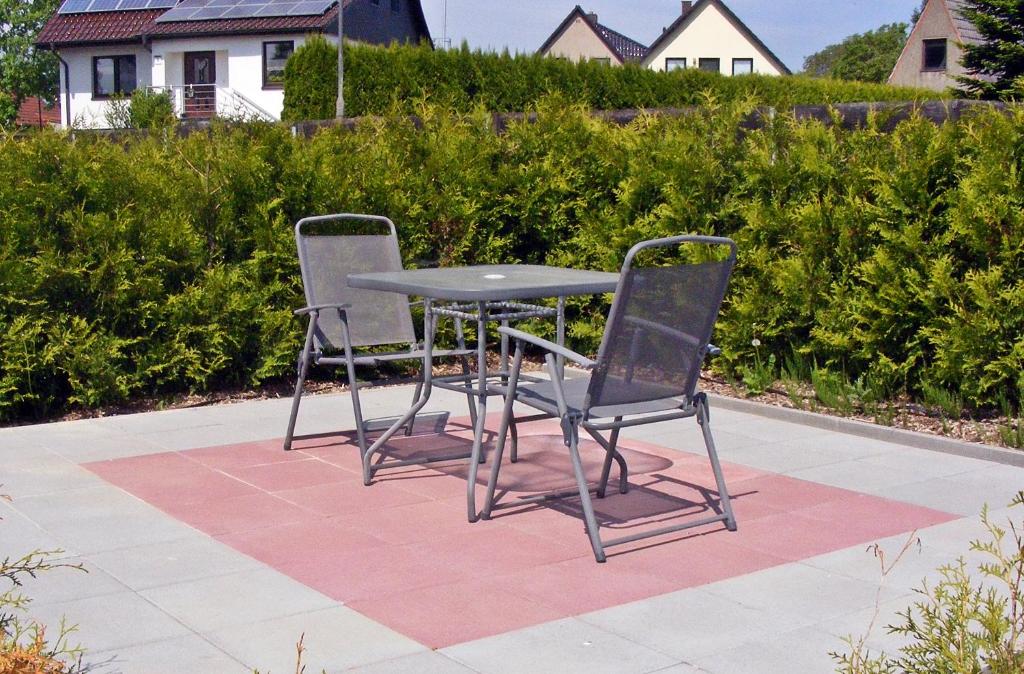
(655, 340)
(344, 319)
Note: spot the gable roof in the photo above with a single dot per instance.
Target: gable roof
(139, 25)
(684, 20)
(966, 31)
(624, 48)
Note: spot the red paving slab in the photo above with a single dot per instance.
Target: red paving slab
(402, 553)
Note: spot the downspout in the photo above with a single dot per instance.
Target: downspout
(67, 86)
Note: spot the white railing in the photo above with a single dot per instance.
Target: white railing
(203, 101)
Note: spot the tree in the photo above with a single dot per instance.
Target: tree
(868, 57)
(311, 81)
(999, 58)
(24, 69)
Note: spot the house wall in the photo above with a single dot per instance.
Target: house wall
(374, 22)
(710, 34)
(86, 112)
(578, 42)
(935, 22)
(239, 63)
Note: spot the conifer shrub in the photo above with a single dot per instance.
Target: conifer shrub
(154, 265)
(396, 78)
(311, 81)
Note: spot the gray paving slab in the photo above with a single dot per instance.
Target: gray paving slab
(568, 645)
(190, 654)
(44, 472)
(682, 668)
(87, 440)
(20, 535)
(799, 594)
(232, 599)
(963, 493)
(96, 519)
(110, 621)
(428, 662)
(870, 627)
(64, 583)
(688, 624)
(335, 639)
(143, 567)
(805, 650)
(862, 475)
(209, 436)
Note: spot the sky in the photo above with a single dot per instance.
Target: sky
(793, 29)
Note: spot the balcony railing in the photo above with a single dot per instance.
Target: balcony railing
(203, 101)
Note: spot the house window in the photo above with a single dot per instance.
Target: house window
(113, 75)
(396, 6)
(275, 55)
(711, 65)
(742, 66)
(602, 60)
(934, 55)
(675, 64)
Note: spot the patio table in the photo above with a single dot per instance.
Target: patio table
(483, 293)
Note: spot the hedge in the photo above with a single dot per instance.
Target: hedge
(384, 80)
(160, 264)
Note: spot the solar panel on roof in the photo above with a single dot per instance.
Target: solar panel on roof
(85, 6)
(203, 10)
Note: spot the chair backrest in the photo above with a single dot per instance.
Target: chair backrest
(660, 323)
(333, 246)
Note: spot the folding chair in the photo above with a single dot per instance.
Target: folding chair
(647, 369)
(342, 319)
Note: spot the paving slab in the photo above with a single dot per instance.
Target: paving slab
(334, 639)
(204, 582)
(567, 645)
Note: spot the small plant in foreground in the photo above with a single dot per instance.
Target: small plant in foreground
(24, 647)
(761, 375)
(960, 625)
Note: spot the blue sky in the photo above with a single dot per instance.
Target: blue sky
(793, 29)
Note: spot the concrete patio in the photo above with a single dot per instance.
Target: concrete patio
(211, 550)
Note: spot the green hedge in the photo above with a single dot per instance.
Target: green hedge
(382, 80)
(162, 264)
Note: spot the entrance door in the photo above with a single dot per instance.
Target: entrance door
(200, 87)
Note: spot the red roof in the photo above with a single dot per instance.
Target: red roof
(33, 112)
(97, 27)
(269, 24)
(132, 26)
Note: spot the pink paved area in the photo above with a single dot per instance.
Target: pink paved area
(402, 553)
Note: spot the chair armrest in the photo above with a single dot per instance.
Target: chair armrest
(551, 347)
(319, 307)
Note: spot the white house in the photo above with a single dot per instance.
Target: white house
(707, 35)
(581, 38)
(214, 56)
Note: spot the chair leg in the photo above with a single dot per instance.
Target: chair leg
(513, 455)
(460, 342)
(409, 427)
(593, 530)
(704, 419)
(303, 368)
(606, 467)
(507, 419)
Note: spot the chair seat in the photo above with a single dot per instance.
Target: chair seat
(541, 395)
(391, 356)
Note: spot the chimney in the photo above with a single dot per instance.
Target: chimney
(687, 6)
(592, 17)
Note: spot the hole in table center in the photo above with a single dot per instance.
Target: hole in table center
(494, 277)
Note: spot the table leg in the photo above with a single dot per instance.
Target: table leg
(560, 335)
(481, 412)
(428, 370)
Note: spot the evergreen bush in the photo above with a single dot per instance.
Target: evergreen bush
(379, 81)
(154, 265)
(311, 81)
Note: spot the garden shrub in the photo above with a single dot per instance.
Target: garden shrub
(311, 81)
(379, 80)
(891, 262)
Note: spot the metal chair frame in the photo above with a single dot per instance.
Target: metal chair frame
(611, 418)
(315, 342)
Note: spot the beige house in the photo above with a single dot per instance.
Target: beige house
(707, 35)
(931, 57)
(581, 38)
